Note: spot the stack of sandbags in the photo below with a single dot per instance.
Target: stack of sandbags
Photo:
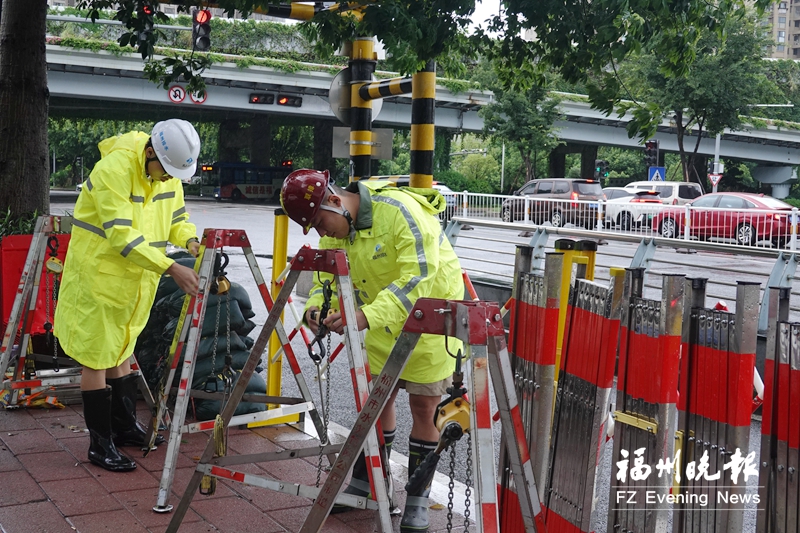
(152, 347)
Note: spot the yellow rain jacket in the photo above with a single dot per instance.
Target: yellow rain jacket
(399, 254)
(117, 253)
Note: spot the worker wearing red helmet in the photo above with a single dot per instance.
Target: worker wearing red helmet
(397, 253)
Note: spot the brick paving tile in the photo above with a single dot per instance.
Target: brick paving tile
(293, 519)
(68, 410)
(121, 481)
(33, 517)
(235, 515)
(19, 487)
(265, 499)
(51, 466)
(141, 502)
(29, 441)
(17, 419)
(104, 522)
(7, 460)
(249, 443)
(68, 426)
(80, 496)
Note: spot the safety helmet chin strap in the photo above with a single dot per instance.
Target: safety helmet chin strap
(341, 211)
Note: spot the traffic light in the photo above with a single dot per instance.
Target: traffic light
(262, 98)
(651, 153)
(290, 100)
(201, 30)
(286, 163)
(600, 168)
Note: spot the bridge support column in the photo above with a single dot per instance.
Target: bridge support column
(323, 145)
(260, 137)
(588, 158)
(231, 140)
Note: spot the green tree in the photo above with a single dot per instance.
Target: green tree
(524, 120)
(727, 76)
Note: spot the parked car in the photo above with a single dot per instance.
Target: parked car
(79, 187)
(744, 217)
(671, 192)
(556, 200)
(632, 210)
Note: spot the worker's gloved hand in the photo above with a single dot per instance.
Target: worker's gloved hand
(312, 319)
(186, 278)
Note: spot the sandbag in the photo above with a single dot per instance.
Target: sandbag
(208, 409)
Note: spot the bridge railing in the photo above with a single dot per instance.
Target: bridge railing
(775, 229)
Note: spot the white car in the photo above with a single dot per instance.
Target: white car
(627, 209)
(79, 187)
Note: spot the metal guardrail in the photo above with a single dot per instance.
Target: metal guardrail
(487, 249)
(759, 228)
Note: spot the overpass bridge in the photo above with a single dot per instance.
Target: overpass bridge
(84, 83)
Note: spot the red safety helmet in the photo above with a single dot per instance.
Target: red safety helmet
(302, 194)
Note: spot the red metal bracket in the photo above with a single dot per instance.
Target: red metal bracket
(473, 321)
(330, 261)
(219, 238)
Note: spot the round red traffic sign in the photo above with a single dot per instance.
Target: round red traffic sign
(197, 99)
(177, 94)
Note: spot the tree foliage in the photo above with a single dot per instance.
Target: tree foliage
(709, 96)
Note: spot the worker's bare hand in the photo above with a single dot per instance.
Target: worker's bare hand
(194, 248)
(335, 322)
(186, 278)
(312, 319)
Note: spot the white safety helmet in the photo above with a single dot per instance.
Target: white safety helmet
(177, 146)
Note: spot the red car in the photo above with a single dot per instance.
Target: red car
(746, 218)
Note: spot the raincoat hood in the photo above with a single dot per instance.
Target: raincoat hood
(134, 141)
(430, 199)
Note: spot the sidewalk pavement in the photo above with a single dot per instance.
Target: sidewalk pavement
(48, 485)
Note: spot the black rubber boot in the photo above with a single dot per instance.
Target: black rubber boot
(97, 414)
(359, 481)
(125, 427)
(415, 515)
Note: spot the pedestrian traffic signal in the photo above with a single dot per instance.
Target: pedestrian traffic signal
(600, 168)
(651, 153)
(290, 100)
(201, 30)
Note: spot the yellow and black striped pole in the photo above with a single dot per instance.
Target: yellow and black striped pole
(423, 101)
(362, 65)
(385, 88)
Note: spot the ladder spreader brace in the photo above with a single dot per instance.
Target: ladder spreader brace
(330, 261)
(479, 325)
(21, 319)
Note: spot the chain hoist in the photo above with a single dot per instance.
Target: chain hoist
(53, 267)
(452, 420)
(324, 350)
(220, 286)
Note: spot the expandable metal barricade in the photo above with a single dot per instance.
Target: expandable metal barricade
(714, 409)
(535, 308)
(582, 403)
(780, 425)
(331, 261)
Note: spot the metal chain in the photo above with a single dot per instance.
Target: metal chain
(55, 339)
(326, 411)
(468, 481)
(214, 344)
(451, 486)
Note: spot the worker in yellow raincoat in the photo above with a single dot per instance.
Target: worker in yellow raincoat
(397, 253)
(128, 210)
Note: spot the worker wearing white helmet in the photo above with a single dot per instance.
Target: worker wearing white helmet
(126, 213)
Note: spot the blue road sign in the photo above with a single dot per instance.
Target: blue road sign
(656, 174)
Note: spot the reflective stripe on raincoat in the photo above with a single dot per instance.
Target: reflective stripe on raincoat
(402, 257)
(117, 253)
